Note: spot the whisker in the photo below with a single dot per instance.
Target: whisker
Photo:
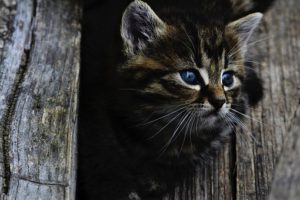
(186, 129)
(191, 129)
(234, 48)
(250, 68)
(173, 119)
(189, 38)
(173, 137)
(247, 116)
(236, 120)
(247, 67)
(263, 39)
(250, 44)
(178, 108)
(245, 128)
(229, 120)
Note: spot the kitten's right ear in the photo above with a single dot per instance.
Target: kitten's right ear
(140, 26)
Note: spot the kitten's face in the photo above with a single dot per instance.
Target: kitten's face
(201, 75)
(184, 79)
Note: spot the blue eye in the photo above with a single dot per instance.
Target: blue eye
(189, 76)
(227, 79)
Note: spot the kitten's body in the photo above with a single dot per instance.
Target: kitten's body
(132, 150)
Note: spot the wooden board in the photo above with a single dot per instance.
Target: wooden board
(39, 80)
(248, 169)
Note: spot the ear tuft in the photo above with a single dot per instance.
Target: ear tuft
(140, 26)
(244, 28)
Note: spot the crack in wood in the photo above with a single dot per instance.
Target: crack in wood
(8, 119)
(38, 99)
(44, 183)
(12, 100)
(293, 116)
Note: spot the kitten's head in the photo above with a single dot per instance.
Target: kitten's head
(184, 79)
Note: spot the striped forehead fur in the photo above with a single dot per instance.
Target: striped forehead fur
(198, 45)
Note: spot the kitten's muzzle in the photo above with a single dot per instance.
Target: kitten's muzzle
(214, 95)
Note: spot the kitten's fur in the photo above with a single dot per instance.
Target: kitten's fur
(162, 117)
(122, 154)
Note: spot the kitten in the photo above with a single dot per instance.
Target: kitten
(182, 86)
(176, 72)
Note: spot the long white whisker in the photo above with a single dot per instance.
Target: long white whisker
(250, 44)
(173, 137)
(189, 38)
(236, 120)
(244, 127)
(244, 115)
(173, 119)
(192, 126)
(229, 120)
(186, 129)
(181, 107)
(234, 48)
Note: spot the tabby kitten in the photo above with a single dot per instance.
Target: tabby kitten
(182, 86)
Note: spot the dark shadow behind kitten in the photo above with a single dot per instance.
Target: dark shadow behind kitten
(116, 157)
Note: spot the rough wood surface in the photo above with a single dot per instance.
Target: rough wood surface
(286, 184)
(39, 71)
(246, 168)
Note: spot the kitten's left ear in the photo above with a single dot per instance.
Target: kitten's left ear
(243, 29)
(140, 26)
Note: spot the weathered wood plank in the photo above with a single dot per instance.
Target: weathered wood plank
(278, 53)
(214, 181)
(15, 30)
(286, 184)
(38, 98)
(274, 122)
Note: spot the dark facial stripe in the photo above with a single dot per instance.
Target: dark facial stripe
(142, 77)
(191, 32)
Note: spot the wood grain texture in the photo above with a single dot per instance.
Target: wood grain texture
(263, 159)
(278, 53)
(286, 182)
(39, 71)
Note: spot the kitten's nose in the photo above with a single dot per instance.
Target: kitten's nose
(215, 96)
(217, 102)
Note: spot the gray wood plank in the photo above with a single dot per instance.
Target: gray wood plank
(286, 184)
(214, 181)
(278, 53)
(39, 81)
(15, 31)
(269, 140)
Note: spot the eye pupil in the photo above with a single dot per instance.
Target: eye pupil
(227, 79)
(189, 76)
